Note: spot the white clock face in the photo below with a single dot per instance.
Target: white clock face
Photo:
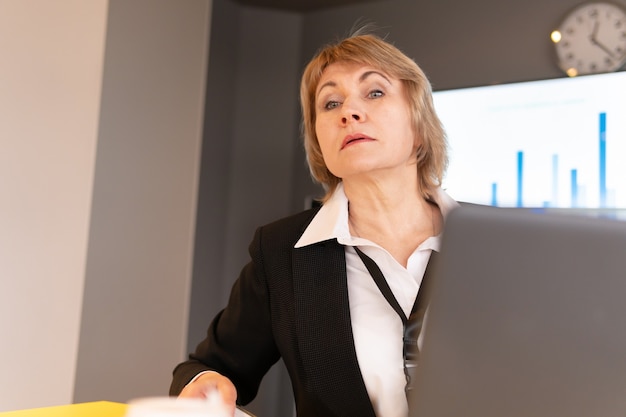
(592, 39)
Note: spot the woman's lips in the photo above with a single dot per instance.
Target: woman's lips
(355, 137)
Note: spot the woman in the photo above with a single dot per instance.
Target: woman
(374, 141)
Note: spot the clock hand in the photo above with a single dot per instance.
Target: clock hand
(597, 43)
(603, 47)
(594, 32)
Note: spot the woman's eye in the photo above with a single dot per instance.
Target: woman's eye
(331, 105)
(375, 94)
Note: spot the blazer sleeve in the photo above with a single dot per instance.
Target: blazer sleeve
(240, 343)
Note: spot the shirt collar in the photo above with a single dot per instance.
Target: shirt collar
(331, 221)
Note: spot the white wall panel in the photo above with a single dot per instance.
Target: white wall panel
(50, 78)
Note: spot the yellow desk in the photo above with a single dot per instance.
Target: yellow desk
(93, 409)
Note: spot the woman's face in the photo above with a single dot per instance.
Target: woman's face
(363, 122)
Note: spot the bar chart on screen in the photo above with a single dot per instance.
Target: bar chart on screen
(557, 143)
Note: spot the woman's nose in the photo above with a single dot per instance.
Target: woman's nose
(351, 112)
(350, 117)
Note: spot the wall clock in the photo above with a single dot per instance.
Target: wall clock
(591, 39)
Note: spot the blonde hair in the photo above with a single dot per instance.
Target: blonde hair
(369, 49)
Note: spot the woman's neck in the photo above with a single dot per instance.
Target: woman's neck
(397, 216)
(377, 198)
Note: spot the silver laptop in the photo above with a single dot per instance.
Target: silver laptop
(527, 318)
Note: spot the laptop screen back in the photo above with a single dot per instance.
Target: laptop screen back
(527, 318)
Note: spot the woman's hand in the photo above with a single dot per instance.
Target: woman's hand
(210, 383)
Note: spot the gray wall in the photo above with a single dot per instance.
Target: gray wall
(139, 255)
(253, 166)
(250, 136)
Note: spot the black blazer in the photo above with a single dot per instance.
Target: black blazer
(291, 304)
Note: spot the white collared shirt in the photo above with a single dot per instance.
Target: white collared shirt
(376, 327)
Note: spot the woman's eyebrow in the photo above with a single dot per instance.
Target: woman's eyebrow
(362, 78)
(326, 84)
(366, 74)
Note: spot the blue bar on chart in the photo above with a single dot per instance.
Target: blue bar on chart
(574, 187)
(602, 162)
(555, 181)
(520, 176)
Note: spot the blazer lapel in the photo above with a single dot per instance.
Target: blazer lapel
(324, 329)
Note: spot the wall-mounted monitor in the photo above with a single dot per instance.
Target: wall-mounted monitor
(557, 143)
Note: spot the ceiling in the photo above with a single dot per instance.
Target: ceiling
(300, 5)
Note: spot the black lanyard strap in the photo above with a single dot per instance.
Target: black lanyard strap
(421, 301)
(413, 324)
(382, 284)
